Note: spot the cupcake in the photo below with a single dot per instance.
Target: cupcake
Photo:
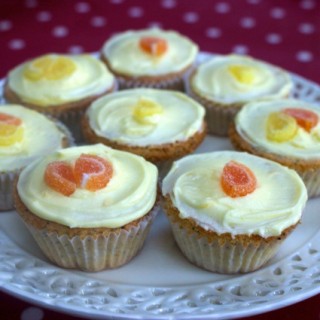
(25, 135)
(223, 84)
(59, 85)
(284, 130)
(160, 125)
(88, 207)
(229, 211)
(149, 58)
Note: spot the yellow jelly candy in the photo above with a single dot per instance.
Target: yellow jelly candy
(242, 73)
(144, 110)
(281, 127)
(10, 134)
(50, 68)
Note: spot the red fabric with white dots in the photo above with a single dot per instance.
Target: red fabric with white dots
(286, 33)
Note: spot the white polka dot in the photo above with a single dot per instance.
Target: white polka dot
(17, 44)
(135, 12)
(222, 7)
(277, 13)
(60, 31)
(98, 21)
(254, 1)
(5, 25)
(44, 16)
(31, 3)
(306, 28)
(247, 22)
(304, 56)
(82, 7)
(307, 4)
(116, 1)
(273, 38)
(76, 49)
(240, 49)
(155, 24)
(190, 17)
(168, 4)
(32, 313)
(213, 32)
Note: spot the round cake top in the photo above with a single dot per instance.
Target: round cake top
(89, 186)
(55, 79)
(237, 79)
(237, 193)
(143, 117)
(25, 135)
(287, 127)
(149, 52)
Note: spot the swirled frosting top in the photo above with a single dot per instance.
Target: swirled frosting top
(55, 79)
(129, 195)
(237, 79)
(126, 57)
(193, 184)
(146, 116)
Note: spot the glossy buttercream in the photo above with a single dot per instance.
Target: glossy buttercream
(129, 195)
(176, 117)
(237, 79)
(126, 57)
(40, 137)
(193, 184)
(54, 79)
(251, 123)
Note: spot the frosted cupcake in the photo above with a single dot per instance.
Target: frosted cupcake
(25, 135)
(286, 131)
(229, 211)
(224, 84)
(149, 58)
(59, 85)
(160, 125)
(88, 207)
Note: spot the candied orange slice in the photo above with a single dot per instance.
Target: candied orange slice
(92, 172)
(59, 177)
(153, 45)
(50, 68)
(144, 109)
(281, 127)
(237, 180)
(306, 119)
(10, 119)
(242, 73)
(11, 130)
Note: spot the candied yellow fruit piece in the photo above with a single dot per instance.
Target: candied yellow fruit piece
(145, 109)
(281, 127)
(10, 134)
(50, 68)
(242, 73)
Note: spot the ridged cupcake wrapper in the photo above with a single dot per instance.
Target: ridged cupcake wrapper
(6, 189)
(311, 179)
(223, 257)
(93, 253)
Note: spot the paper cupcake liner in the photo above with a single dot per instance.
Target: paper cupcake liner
(223, 257)
(94, 253)
(311, 179)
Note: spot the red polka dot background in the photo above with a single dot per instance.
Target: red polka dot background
(286, 33)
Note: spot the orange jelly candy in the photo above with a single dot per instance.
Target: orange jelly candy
(237, 180)
(153, 45)
(10, 119)
(59, 176)
(92, 172)
(305, 118)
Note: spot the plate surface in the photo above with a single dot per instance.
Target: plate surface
(160, 283)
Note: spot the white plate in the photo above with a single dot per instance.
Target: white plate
(160, 283)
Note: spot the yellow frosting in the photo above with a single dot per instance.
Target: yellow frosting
(232, 78)
(145, 116)
(54, 79)
(126, 57)
(193, 184)
(129, 195)
(40, 136)
(251, 124)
